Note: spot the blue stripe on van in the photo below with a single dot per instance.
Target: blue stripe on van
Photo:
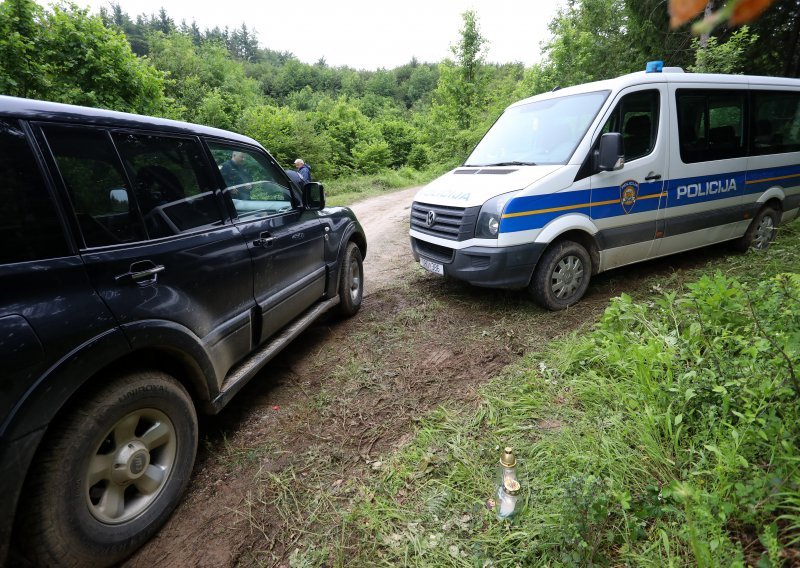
(761, 180)
(534, 212)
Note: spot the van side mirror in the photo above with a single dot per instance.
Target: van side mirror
(314, 196)
(610, 155)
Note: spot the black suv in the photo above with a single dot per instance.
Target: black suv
(149, 268)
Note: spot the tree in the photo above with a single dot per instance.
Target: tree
(22, 72)
(727, 57)
(66, 55)
(591, 41)
(462, 83)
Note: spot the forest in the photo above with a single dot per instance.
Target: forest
(345, 121)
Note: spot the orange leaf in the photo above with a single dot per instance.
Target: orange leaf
(681, 11)
(748, 10)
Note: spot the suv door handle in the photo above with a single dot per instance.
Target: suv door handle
(141, 275)
(652, 176)
(265, 240)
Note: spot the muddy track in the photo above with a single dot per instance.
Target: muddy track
(346, 393)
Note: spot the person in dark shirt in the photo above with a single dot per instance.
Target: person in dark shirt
(236, 176)
(303, 169)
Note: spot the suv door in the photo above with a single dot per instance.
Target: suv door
(153, 238)
(48, 307)
(285, 240)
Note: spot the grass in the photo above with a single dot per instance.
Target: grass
(665, 436)
(668, 436)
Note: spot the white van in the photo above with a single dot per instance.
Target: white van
(585, 179)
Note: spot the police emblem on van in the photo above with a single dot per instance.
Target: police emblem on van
(628, 192)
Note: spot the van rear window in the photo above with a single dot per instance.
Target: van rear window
(776, 122)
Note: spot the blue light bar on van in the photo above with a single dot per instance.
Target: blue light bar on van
(654, 67)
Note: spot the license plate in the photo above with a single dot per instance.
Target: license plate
(434, 267)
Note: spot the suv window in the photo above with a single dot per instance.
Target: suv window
(29, 225)
(96, 183)
(171, 183)
(253, 183)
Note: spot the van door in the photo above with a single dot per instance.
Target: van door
(708, 167)
(285, 241)
(625, 202)
(153, 239)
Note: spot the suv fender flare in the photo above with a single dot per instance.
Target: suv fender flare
(351, 232)
(58, 385)
(186, 351)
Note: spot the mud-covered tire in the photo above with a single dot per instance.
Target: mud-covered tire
(562, 276)
(109, 473)
(351, 282)
(761, 231)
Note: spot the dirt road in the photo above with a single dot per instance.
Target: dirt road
(385, 221)
(279, 466)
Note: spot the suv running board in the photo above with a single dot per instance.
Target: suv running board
(247, 369)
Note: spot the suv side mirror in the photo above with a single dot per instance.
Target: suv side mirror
(609, 156)
(314, 196)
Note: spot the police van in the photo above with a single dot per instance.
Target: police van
(584, 179)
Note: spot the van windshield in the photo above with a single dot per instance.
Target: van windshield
(541, 132)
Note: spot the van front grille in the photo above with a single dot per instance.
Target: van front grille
(432, 251)
(453, 223)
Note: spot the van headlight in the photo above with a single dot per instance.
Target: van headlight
(489, 218)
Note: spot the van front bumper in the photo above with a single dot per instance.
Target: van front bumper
(506, 267)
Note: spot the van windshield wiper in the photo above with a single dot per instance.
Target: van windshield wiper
(501, 164)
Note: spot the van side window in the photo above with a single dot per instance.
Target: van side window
(96, 184)
(171, 183)
(776, 122)
(252, 182)
(711, 125)
(636, 117)
(29, 225)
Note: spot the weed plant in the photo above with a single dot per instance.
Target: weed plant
(667, 436)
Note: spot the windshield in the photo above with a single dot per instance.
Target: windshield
(542, 132)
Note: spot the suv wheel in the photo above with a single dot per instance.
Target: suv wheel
(351, 281)
(110, 473)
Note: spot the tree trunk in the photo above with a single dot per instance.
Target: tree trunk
(707, 14)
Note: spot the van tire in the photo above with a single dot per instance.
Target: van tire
(138, 433)
(351, 281)
(561, 276)
(761, 231)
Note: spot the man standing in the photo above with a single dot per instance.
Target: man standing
(303, 169)
(236, 176)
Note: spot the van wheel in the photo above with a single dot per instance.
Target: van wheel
(351, 281)
(761, 231)
(561, 276)
(110, 473)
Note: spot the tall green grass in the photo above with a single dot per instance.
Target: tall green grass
(668, 436)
